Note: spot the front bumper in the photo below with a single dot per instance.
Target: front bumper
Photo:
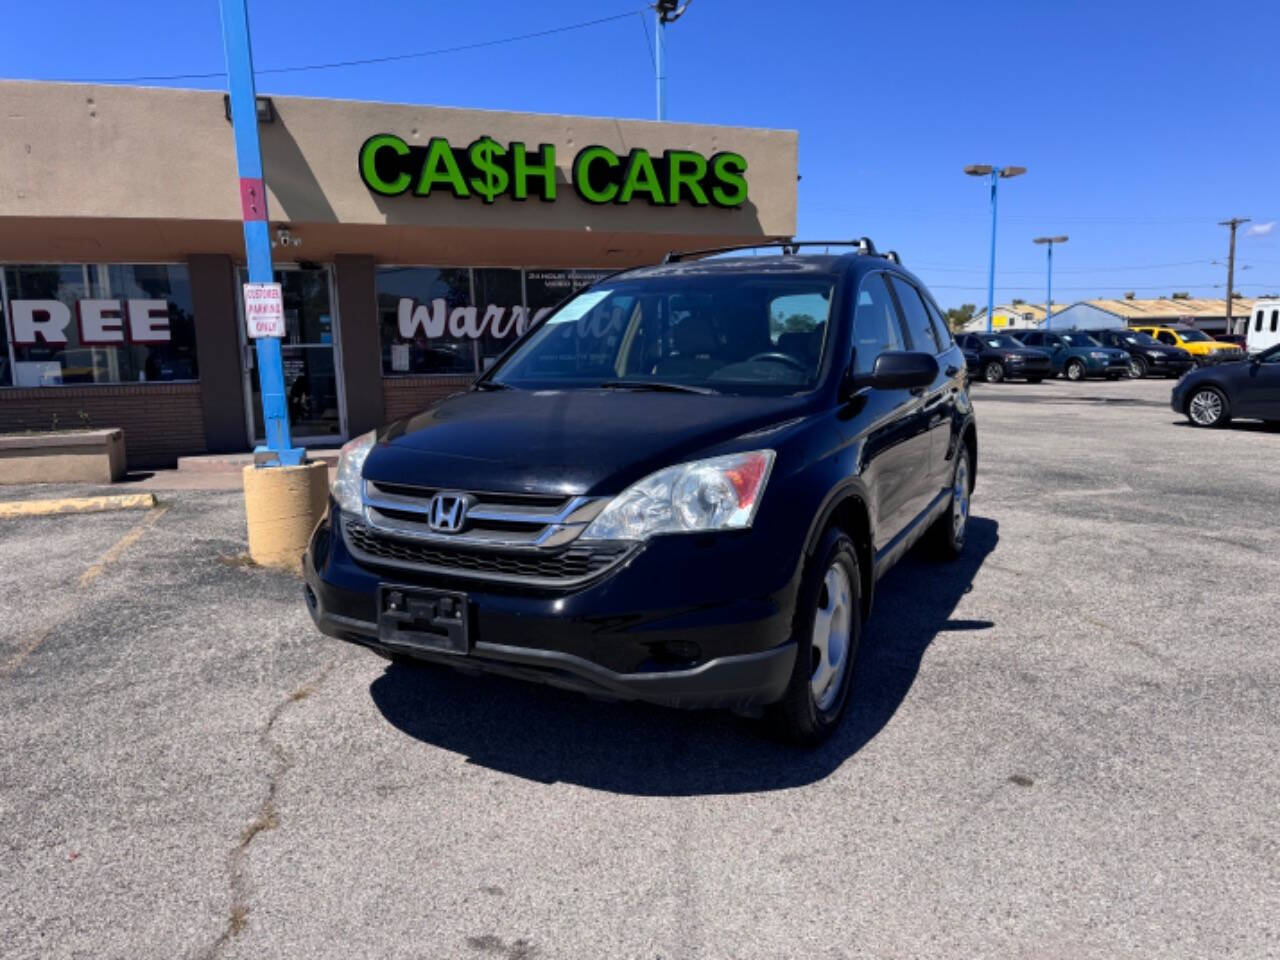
(685, 622)
(1040, 370)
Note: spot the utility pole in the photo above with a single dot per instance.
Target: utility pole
(279, 449)
(666, 11)
(1233, 223)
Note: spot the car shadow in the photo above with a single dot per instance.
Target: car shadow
(547, 735)
(1235, 426)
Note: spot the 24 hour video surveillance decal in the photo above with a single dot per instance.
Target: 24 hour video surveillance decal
(488, 169)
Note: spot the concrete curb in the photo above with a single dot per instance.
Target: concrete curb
(49, 508)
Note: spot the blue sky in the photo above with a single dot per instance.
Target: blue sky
(1142, 123)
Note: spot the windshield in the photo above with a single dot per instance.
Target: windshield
(1195, 336)
(728, 333)
(1000, 342)
(1080, 340)
(1136, 339)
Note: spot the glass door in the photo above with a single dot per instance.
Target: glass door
(312, 380)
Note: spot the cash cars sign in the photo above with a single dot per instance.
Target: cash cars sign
(488, 169)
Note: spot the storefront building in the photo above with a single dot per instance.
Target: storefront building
(413, 244)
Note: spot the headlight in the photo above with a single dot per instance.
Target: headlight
(1154, 354)
(721, 493)
(346, 482)
(1099, 355)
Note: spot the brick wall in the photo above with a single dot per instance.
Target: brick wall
(161, 421)
(404, 396)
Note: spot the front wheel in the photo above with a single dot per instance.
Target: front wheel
(993, 372)
(1208, 407)
(1137, 368)
(1075, 370)
(826, 630)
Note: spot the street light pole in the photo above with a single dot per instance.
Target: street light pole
(279, 449)
(1048, 289)
(665, 11)
(996, 174)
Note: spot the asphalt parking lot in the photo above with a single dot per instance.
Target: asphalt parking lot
(1063, 746)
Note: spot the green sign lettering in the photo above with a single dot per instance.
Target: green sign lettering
(487, 169)
(369, 164)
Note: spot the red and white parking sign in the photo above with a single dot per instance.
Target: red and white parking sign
(264, 309)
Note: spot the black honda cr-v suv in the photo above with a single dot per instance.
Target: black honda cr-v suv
(680, 487)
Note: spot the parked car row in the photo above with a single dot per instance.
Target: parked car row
(1035, 355)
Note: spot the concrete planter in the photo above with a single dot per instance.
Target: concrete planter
(66, 456)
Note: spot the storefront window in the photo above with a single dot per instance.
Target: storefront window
(459, 320)
(78, 323)
(500, 312)
(417, 306)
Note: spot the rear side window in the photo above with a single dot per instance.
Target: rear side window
(875, 323)
(1257, 321)
(1164, 336)
(1275, 320)
(919, 329)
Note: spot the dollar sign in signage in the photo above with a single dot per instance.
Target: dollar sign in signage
(491, 179)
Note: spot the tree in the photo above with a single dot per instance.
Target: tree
(957, 317)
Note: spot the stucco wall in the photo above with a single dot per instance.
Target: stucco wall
(75, 151)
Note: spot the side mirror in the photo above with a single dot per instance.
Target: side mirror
(902, 370)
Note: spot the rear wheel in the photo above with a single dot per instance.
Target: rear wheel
(1075, 370)
(993, 372)
(948, 533)
(1137, 368)
(1208, 407)
(826, 631)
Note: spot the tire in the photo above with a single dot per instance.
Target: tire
(1208, 407)
(832, 585)
(947, 536)
(1075, 370)
(1034, 379)
(1137, 368)
(993, 371)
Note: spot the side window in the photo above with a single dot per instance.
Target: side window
(1033, 339)
(1257, 321)
(940, 329)
(919, 329)
(1275, 320)
(1164, 336)
(875, 323)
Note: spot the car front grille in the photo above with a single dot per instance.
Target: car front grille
(514, 520)
(566, 566)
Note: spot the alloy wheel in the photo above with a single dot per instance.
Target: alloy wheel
(1137, 369)
(832, 624)
(993, 373)
(1205, 408)
(1075, 370)
(960, 498)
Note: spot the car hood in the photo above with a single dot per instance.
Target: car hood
(591, 442)
(1027, 353)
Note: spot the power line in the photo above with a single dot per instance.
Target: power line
(366, 61)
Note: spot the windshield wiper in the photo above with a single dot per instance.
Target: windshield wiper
(658, 386)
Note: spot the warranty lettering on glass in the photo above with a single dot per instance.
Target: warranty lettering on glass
(487, 169)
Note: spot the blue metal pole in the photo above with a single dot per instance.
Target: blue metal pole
(1048, 289)
(991, 273)
(659, 41)
(279, 450)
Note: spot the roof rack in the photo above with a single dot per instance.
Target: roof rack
(789, 248)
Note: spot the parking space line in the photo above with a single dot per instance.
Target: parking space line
(124, 543)
(90, 574)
